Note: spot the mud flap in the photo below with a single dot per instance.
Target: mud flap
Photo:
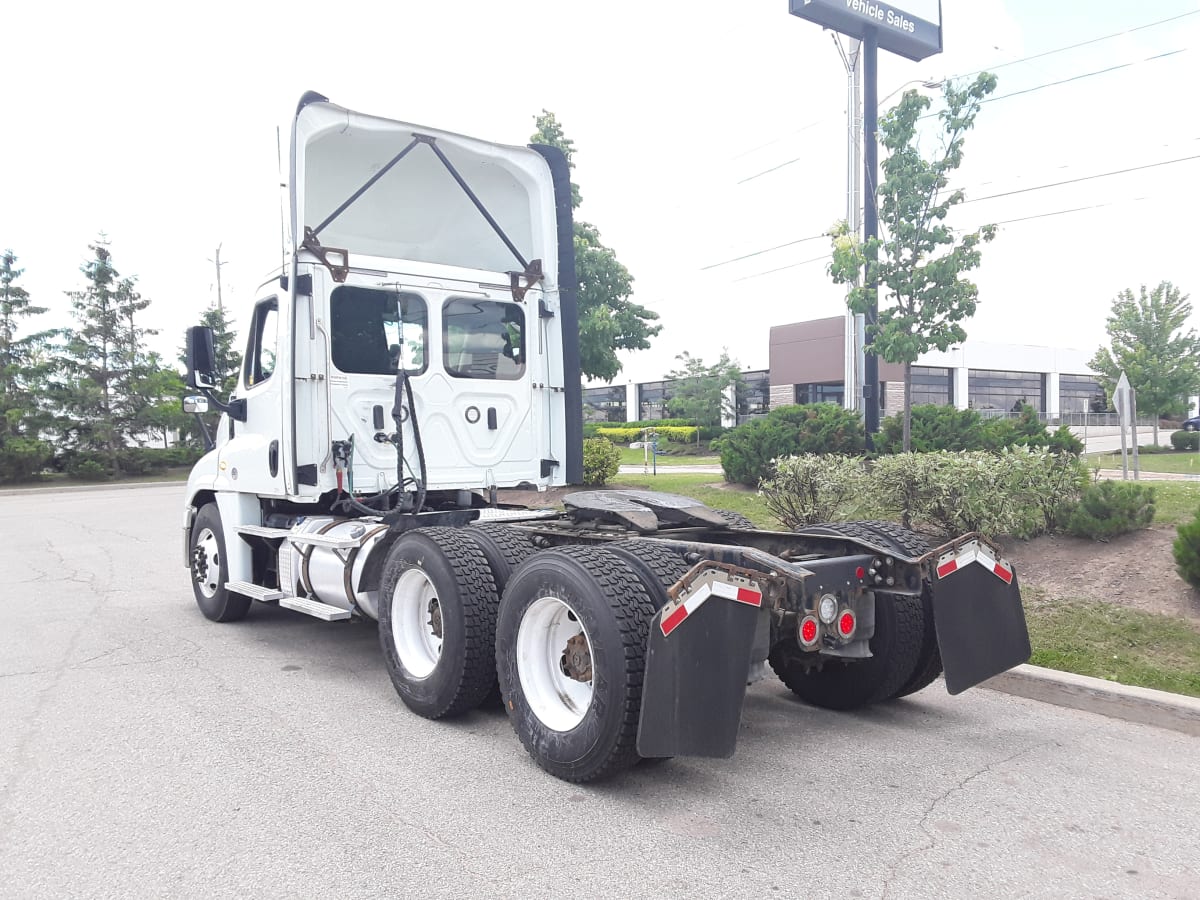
(980, 624)
(695, 681)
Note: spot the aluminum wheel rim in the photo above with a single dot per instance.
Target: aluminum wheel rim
(206, 562)
(416, 623)
(558, 700)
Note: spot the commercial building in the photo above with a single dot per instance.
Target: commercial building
(807, 365)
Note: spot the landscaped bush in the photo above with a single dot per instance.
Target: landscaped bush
(1187, 551)
(747, 452)
(600, 461)
(22, 458)
(707, 432)
(87, 467)
(1020, 492)
(1110, 508)
(937, 427)
(626, 434)
(807, 489)
(1185, 440)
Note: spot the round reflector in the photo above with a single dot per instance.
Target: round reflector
(860, 573)
(808, 630)
(846, 624)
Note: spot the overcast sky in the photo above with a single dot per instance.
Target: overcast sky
(156, 125)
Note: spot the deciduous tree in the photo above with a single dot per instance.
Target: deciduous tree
(919, 261)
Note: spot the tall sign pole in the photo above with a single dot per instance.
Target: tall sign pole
(908, 28)
(870, 386)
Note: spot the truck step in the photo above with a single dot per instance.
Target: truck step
(257, 591)
(325, 540)
(315, 608)
(263, 531)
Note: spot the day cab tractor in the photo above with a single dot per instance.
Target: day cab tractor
(417, 353)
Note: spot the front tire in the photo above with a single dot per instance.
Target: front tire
(210, 571)
(437, 621)
(570, 653)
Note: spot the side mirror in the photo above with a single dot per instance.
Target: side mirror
(195, 404)
(201, 358)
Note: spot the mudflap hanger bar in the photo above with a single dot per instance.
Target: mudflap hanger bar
(531, 270)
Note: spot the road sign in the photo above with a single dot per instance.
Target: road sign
(908, 28)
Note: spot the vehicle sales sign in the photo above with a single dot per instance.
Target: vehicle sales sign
(913, 32)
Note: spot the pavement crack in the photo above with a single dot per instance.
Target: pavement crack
(932, 838)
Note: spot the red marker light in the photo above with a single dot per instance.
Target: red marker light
(808, 630)
(846, 624)
(860, 573)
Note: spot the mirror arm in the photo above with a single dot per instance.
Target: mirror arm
(235, 408)
(205, 435)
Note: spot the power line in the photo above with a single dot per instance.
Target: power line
(1041, 187)
(992, 68)
(791, 266)
(1086, 43)
(726, 262)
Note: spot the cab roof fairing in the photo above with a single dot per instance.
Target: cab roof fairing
(416, 212)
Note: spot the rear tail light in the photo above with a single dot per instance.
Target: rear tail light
(846, 624)
(809, 632)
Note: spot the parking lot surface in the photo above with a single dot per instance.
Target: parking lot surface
(146, 752)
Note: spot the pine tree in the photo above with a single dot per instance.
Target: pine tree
(104, 360)
(23, 368)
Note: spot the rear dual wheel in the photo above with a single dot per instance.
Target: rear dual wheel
(570, 653)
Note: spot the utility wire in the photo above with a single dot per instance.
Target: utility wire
(726, 262)
(1042, 187)
(992, 68)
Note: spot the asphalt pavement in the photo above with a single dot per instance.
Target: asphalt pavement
(146, 752)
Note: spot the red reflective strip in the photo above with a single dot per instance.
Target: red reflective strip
(671, 622)
(946, 568)
(754, 598)
(1004, 572)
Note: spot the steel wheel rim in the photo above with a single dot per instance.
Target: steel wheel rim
(206, 562)
(559, 700)
(417, 625)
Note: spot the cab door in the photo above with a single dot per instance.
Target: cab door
(251, 460)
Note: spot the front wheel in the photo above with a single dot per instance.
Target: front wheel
(210, 571)
(437, 621)
(570, 653)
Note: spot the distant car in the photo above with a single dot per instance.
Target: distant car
(1192, 424)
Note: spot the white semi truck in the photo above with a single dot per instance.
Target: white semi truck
(418, 351)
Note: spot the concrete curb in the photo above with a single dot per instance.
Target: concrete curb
(1107, 698)
(73, 488)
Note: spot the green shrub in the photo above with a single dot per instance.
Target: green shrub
(748, 451)
(1020, 492)
(807, 489)
(626, 434)
(600, 461)
(1187, 551)
(1185, 440)
(936, 427)
(88, 467)
(1110, 508)
(22, 458)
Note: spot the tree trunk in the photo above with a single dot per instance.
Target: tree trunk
(1156, 429)
(907, 407)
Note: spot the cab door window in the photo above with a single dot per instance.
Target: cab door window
(262, 343)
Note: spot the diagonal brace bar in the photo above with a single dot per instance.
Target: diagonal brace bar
(367, 186)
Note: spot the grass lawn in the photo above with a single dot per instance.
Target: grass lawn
(680, 455)
(53, 481)
(1113, 642)
(1175, 501)
(699, 487)
(1185, 462)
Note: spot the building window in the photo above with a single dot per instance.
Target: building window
(1004, 392)
(604, 404)
(825, 392)
(1077, 393)
(652, 400)
(931, 384)
(753, 395)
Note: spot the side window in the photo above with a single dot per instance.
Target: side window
(260, 350)
(483, 339)
(376, 331)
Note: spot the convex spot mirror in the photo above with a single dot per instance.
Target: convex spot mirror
(195, 404)
(201, 359)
